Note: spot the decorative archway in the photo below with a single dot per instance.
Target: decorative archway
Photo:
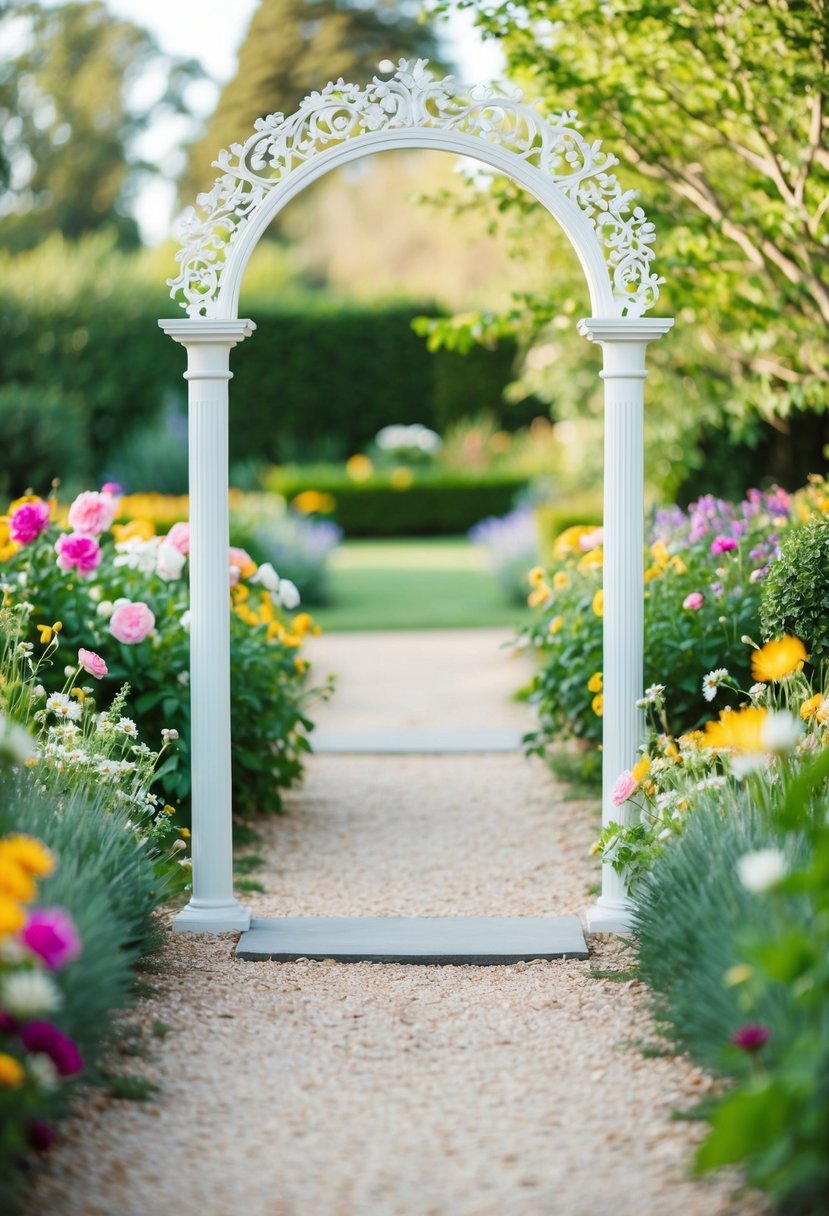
(612, 238)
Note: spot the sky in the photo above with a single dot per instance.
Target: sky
(212, 31)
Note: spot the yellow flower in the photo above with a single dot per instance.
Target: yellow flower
(597, 705)
(598, 603)
(8, 547)
(556, 624)
(12, 1072)
(738, 974)
(778, 659)
(539, 595)
(240, 593)
(652, 572)
(185, 833)
(300, 666)
(15, 882)
(48, 631)
(641, 769)
(78, 694)
(301, 623)
(266, 612)
(245, 614)
(594, 684)
(29, 853)
(276, 631)
(169, 810)
(678, 564)
(740, 729)
(809, 708)
(536, 576)
(401, 478)
(136, 529)
(312, 502)
(659, 553)
(592, 560)
(12, 916)
(359, 467)
(560, 581)
(568, 541)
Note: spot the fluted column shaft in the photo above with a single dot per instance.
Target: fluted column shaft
(212, 907)
(624, 345)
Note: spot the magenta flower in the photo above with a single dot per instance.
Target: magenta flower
(751, 1037)
(46, 1039)
(131, 622)
(113, 489)
(28, 521)
(93, 663)
(694, 601)
(723, 544)
(92, 513)
(78, 552)
(51, 934)
(179, 535)
(625, 786)
(41, 1136)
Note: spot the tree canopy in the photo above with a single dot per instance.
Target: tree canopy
(295, 46)
(717, 111)
(69, 118)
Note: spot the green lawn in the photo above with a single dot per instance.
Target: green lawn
(414, 584)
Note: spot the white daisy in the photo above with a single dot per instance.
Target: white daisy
(712, 682)
(63, 706)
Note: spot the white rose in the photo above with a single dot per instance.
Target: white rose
(288, 594)
(169, 562)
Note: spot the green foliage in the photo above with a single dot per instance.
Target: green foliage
(44, 434)
(796, 591)
(432, 503)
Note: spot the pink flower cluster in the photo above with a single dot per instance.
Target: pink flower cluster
(77, 551)
(28, 521)
(92, 513)
(50, 933)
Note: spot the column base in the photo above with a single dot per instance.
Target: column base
(221, 918)
(610, 917)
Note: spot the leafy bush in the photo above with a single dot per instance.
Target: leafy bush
(796, 592)
(44, 434)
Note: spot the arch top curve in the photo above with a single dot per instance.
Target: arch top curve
(549, 156)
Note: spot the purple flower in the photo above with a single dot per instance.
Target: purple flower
(51, 934)
(751, 1037)
(723, 544)
(44, 1038)
(40, 1136)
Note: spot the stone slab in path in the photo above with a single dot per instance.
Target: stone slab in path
(424, 940)
(417, 742)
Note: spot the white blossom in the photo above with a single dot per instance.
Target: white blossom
(169, 562)
(63, 706)
(712, 681)
(267, 577)
(780, 731)
(27, 993)
(43, 1071)
(762, 869)
(288, 594)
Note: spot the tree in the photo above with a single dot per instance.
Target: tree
(295, 46)
(717, 111)
(69, 121)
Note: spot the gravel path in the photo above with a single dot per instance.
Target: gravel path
(320, 1089)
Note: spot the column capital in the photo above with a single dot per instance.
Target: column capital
(624, 329)
(199, 331)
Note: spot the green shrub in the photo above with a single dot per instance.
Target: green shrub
(796, 591)
(44, 435)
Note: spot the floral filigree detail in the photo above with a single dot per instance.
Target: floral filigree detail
(413, 98)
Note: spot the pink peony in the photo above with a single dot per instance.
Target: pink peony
(131, 622)
(92, 513)
(694, 601)
(51, 934)
(77, 552)
(28, 521)
(93, 663)
(625, 786)
(179, 535)
(723, 544)
(44, 1038)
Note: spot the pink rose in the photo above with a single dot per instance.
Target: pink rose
(131, 622)
(92, 513)
(625, 786)
(93, 663)
(723, 544)
(77, 552)
(694, 601)
(179, 535)
(28, 521)
(51, 934)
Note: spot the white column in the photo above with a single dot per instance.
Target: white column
(624, 343)
(212, 907)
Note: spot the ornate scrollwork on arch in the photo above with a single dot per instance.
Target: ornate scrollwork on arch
(412, 98)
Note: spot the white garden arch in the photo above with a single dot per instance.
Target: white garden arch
(612, 238)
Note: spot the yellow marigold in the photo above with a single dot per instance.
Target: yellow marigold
(136, 529)
(568, 541)
(359, 467)
(594, 684)
(778, 659)
(598, 602)
(539, 595)
(592, 560)
(809, 708)
(556, 624)
(536, 576)
(12, 916)
(561, 581)
(15, 882)
(641, 769)
(740, 730)
(12, 1072)
(597, 705)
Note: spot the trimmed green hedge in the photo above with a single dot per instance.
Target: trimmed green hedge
(433, 505)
